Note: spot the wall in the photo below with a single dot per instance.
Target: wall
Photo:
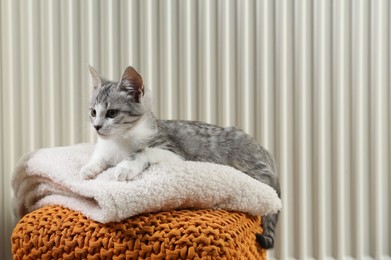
(309, 79)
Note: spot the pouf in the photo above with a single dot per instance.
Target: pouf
(54, 232)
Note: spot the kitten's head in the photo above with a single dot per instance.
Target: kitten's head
(116, 107)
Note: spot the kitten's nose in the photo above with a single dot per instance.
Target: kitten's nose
(97, 127)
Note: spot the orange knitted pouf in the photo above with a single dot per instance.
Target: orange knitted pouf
(55, 232)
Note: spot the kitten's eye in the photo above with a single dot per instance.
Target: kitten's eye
(93, 113)
(112, 113)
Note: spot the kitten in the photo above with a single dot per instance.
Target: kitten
(131, 138)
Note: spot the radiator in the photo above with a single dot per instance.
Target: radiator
(310, 80)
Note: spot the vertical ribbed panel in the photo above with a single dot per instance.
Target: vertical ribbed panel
(341, 126)
(11, 148)
(321, 186)
(51, 72)
(227, 73)
(265, 73)
(130, 33)
(188, 71)
(149, 49)
(207, 63)
(168, 51)
(246, 65)
(3, 204)
(303, 81)
(360, 127)
(380, 124)
(284, 124)
(308, 79)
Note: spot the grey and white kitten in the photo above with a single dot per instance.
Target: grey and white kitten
(131, 138)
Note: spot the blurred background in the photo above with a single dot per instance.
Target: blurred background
(310, 80)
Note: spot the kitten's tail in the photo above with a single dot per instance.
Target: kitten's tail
(266, 239)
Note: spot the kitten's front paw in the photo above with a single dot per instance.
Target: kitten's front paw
(124, 174)
(125, 171)
(90, 171)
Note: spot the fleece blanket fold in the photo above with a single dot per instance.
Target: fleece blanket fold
(51, 177)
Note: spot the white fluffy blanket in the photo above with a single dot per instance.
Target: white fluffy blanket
(50, 177)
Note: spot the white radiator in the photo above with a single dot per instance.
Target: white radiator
(309, 79)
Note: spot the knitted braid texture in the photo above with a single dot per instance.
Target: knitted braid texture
(54, 232)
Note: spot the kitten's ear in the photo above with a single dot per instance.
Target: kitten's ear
(95, 78)
(132, 83)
